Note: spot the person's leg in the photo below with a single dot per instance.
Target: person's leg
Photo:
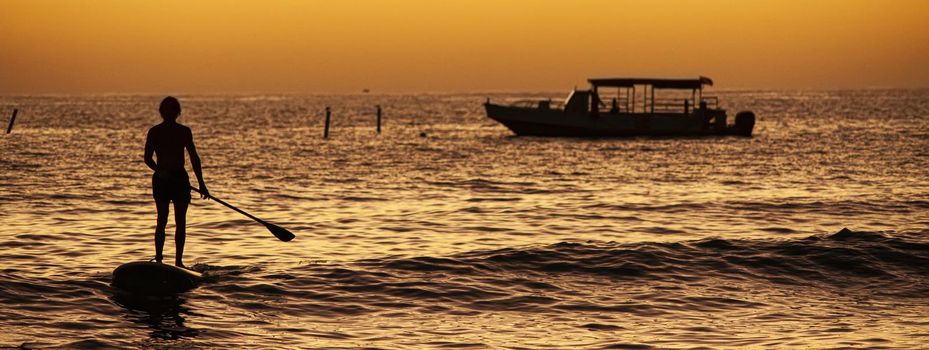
(162, 221)
(180, 230)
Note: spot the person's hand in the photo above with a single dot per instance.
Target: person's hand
(204, 193)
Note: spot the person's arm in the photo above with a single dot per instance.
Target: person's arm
(198, 171)
(149, 152)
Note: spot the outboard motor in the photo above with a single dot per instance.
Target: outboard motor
(744, 123)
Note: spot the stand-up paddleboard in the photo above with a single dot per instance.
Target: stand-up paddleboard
(151, 278)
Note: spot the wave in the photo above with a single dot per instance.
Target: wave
(872, 263)
(480, 185)
(600, 285)
(643, 279)
(796, 206)
(849, 260)
(555, 277)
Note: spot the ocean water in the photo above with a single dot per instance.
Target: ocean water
(445, 231)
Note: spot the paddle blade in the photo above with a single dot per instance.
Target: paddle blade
(279, 232)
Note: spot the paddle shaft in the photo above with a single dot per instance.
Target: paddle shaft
(230, 206)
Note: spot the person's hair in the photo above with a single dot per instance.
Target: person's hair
(170, 107)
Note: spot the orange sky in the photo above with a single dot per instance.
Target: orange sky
(450, 45)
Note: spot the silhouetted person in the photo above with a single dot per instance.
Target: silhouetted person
(170, 182)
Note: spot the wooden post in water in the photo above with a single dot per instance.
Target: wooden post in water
(12, 120)
(378, 119)
(326, 128)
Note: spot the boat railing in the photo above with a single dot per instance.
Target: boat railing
(668, 105)
(684, 105)
(536, 103)
(664, 105)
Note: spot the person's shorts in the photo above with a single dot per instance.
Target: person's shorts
(176, 189)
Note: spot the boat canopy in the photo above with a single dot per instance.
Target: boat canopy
(657, 83)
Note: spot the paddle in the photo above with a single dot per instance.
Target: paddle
(279, 232)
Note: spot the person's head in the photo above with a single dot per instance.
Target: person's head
(170, 108)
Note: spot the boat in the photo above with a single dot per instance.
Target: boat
(634, 110)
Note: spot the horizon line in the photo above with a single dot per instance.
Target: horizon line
(425, 92)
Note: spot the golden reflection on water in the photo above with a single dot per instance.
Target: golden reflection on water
(469, 236)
